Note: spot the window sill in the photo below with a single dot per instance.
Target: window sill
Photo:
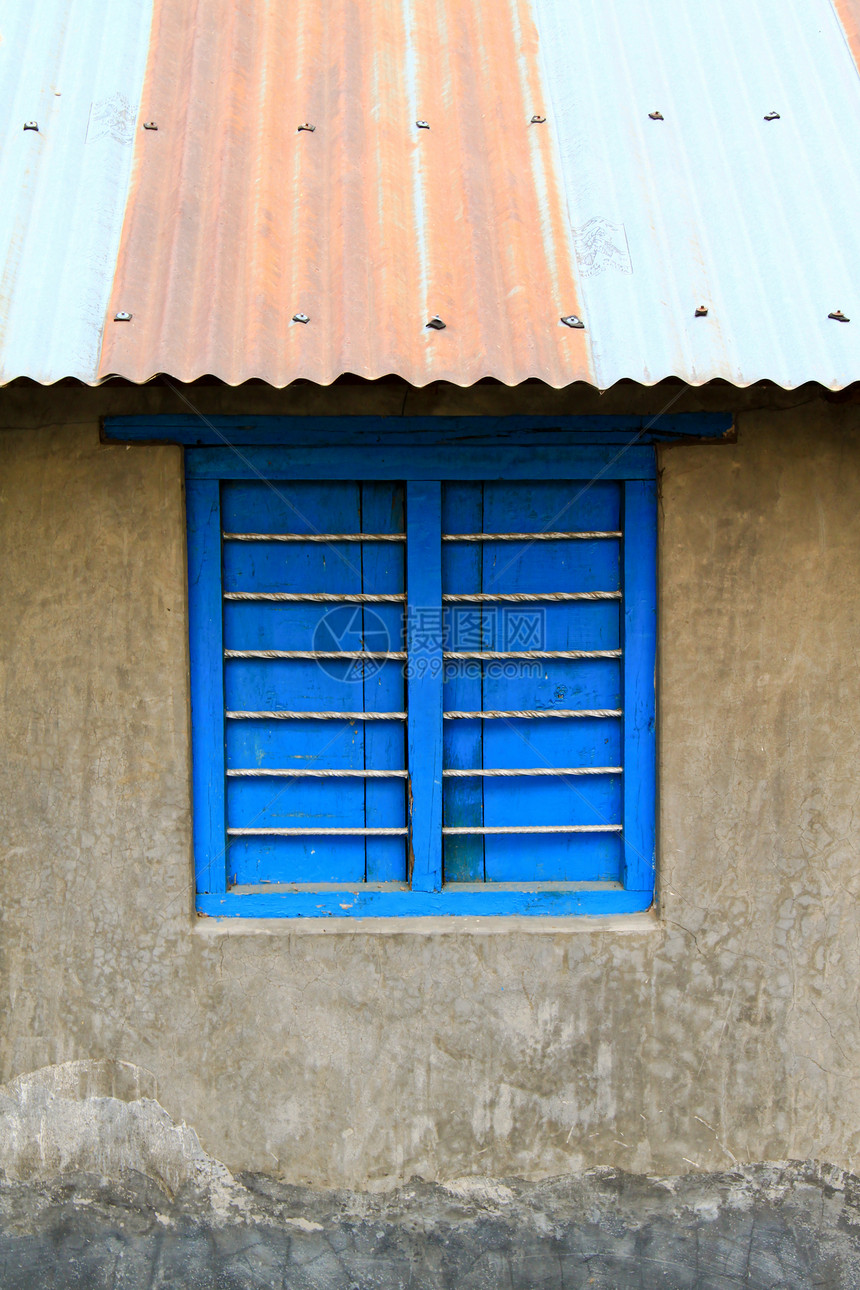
(611, 924)
(243, 919)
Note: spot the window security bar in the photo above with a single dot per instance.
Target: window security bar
(257, 772)
(542, 770)
(346, 597)
(401, 537)
(526, 537)
(402, 655)
(312, 832)
(314, 537)
(398, 597)
(316, 716)
(485, 597)
(387, 833)
(531, 653)
(537, 828)
(320, 653)
(535, 712)
(401, 716)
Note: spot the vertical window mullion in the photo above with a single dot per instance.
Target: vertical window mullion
(639, 643)
(205, 617)
(424, 629)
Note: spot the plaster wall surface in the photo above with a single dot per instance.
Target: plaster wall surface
(723, 1029)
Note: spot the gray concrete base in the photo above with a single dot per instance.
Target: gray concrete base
(789, 1225)
(101, 1188)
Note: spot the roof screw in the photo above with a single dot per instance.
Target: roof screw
(702, 311)
(150, 125)
(436, 323)
(302, 318)
(772, 116)
(537, 120)
(571, 320)
(655, 116)
(31, 125)
(306, 125)
(122, 316)
(423, 125)
(838, 316)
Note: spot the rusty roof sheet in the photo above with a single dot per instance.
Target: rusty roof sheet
(220, 226)
(369, 225)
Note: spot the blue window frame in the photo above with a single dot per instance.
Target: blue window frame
(442, 613)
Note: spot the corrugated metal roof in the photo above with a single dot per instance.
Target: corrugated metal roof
(235, 220)
(369, 225)
(712, 205)
(76, 69)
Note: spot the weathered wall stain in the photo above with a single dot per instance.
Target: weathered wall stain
(99, 1183)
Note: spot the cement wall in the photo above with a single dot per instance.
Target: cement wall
(723, 1029)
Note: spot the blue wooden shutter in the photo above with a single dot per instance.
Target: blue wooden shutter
(571, 776)
(271, 786)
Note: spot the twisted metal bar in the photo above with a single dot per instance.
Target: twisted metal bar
(401, 537)
(346, 597)
(314, 537)
(544, 828)
(527, 537)
(318, 774)
(311, 832)
(317, 716)
(532, 653)
(565, 770)
(401, 654)
(484, 597)
(259, 772)
(315, 653)
(538, 712)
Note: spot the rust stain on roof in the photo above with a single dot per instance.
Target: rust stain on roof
(848, 12)
(237, 220)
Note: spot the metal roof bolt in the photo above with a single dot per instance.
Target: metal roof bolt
(537, 120)
(656, 116)
(306, 125)
(302, 318)
(571, 320)
(423, 125)
(31, 125)
(838, 316)
(436, 323)
(772, 116)
(702, 311)
(150, 125)
(122, 316)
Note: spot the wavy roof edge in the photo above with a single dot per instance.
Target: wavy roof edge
(191, 379)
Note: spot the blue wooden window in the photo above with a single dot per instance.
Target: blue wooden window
(422, 683)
